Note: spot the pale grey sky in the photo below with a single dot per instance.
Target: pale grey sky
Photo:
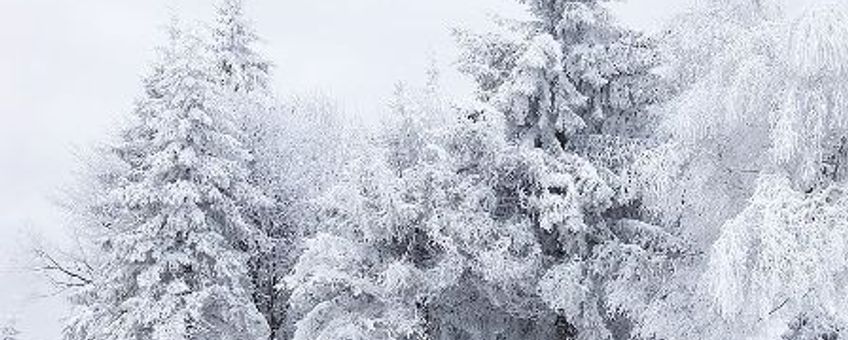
(71, 69)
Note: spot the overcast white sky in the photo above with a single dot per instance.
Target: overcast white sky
(69, 70)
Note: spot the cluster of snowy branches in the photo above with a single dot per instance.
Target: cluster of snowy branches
(605, 184)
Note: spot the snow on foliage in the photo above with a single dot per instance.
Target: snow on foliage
(486, 223)
(244, 76)
(777, 80)
(242, 68)
(170, 222)
(570, 70)
(603, 185)
(785, 255)
(752, 170)
(574, 84)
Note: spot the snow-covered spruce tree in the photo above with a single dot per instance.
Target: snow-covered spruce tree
(574, 84)
(168, 220)
(754, 171)
(244, 76)
(568, 72)
(246, 79)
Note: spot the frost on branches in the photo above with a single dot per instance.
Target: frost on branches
(755, 163)
(603, 184)
(168, 222)
(241, 68)
(568, 72)
(784, 257)
(574, 84)
(245, 77)
(482, 227)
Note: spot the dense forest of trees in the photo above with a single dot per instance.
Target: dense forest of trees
(603, 184)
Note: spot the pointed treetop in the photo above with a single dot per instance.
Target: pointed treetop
(240, 65)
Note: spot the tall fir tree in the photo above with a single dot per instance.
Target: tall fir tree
(573, 83)
(246, 78)
(168, 218)
(570, 71)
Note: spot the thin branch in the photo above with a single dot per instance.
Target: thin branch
(53, 266)
(775, 309)
(784, 303)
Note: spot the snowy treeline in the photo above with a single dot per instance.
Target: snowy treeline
(604, 184)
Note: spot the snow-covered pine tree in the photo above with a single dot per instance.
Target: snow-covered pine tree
(571, 82)
(168, 220)
(246, 79)
(245, 76)
(569, 71)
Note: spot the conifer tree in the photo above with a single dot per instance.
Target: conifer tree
(168, 220)
(572, 83)
(569, 71)
(246, 79)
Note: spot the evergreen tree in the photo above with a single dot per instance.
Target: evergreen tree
(169, 220)
(569, 71)
(246, 79)
(574, 84)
